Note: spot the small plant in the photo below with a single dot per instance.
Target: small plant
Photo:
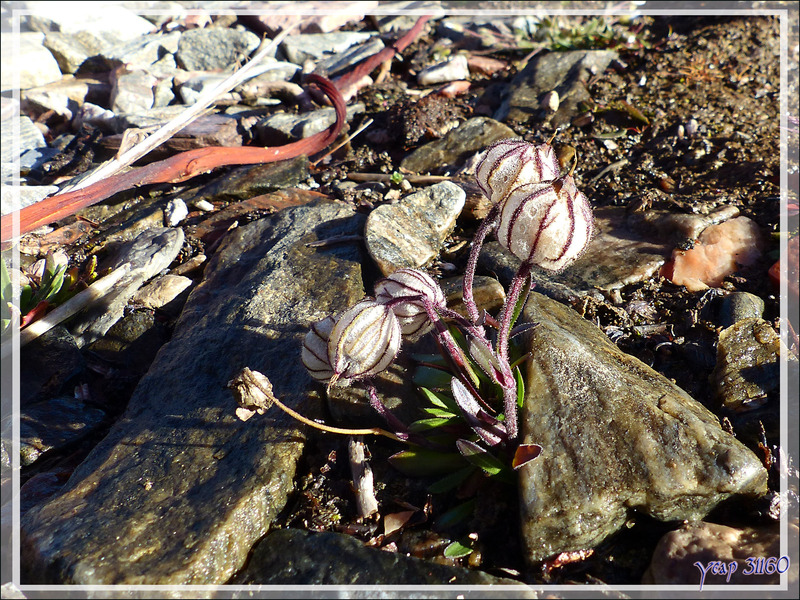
(474, 388)
(46, 284)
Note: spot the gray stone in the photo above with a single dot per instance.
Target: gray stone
(133, 92)
(113, 23)
(296, 557)
(179, 460)
(132, 342)
(283, 128)
(677, 552)
(457, 145)
(450, 70)
(193, 88)
(739, 306)
(46, 364)
(35, 158)
(410, 232)
(34, 65)
(71, 50)
(242, 183)
(617, 437)
(53, 424)
(747, 373)
(162, 291)
(29, 137)
(313, 46)
(342, 61)
(214, 48)
(148, 254)
(142, 51)
(564, 72)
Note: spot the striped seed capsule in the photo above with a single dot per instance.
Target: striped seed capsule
(549, 224)
(411, 314)
(508, 164)
(363, 342)
(315, 350)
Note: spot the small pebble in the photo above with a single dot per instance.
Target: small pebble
(550, 101)
(175, 212)
(203, 205)
(451, 70)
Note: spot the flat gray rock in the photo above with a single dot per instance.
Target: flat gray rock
(410, 232)
(53, 424)
(564, 72)
(457, 145)
(296, 557)
(148, 254)
(214, 48)
(300, 48)
(618, 438)
(180, 489)
(282, 128)
(33, 64)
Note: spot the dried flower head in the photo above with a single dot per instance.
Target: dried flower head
(364, 341)
(549, 224)
(315, 350)
(414, 285)
(507, 164)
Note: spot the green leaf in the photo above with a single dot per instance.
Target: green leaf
(479, 457)
(523, 297)
(457, 550)
(455, 515)
(440, 400)
(420, 462)
(448, 482)
(429, 377)
(440, 413)
(428, 424)
(6, 293)
(520, 387)
(26, 299)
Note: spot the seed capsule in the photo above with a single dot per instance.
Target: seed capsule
(508, 164)
(315, 350)
(410, 283)
(364, 341)
(549, 224)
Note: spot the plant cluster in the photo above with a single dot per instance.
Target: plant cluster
(540, 216)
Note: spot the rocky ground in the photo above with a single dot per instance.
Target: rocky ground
(653, 383)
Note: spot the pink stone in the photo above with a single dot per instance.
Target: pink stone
(719, 252)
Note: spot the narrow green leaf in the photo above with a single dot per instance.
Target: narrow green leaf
(429, 377)
(449, 482)
(440, 412)
(480, 457)
(427, 424)
(520, 386)
(523, 298)
(6, 293)
(457, 550)
(26, 299)
(440, 400)
(455, 515)
(420, 462)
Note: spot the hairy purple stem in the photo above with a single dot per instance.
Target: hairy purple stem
(508, 308)
(472, 263)
(398, 427)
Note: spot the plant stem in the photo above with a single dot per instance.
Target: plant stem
(472, 263)
(320, 426)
